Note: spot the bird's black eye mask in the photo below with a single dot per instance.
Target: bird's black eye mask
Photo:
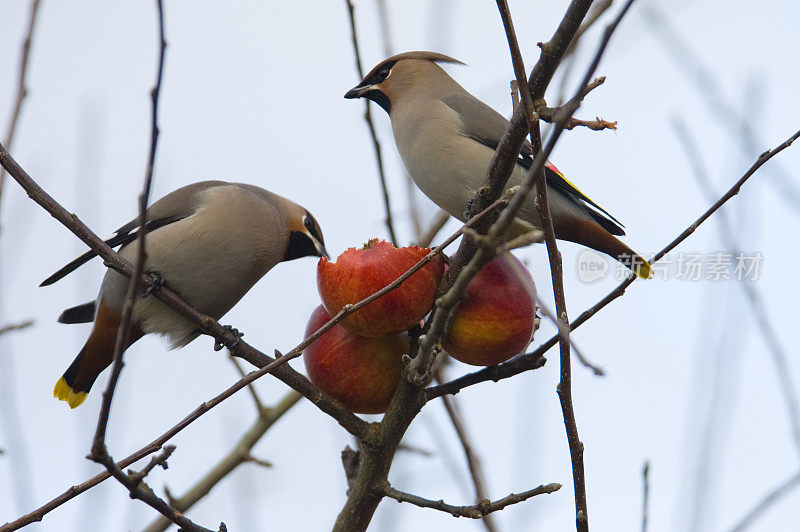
(378, 75)
(311, 224)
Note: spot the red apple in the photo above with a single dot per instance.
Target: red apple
(360, 372)
(359, 273)
(495, 320)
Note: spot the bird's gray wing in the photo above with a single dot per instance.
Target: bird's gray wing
(175, 206)
(485, 125)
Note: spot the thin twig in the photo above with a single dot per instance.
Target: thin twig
(594, 368)
(780, 491)
(592, 17)
(368, 117)
(250, 387)
(689, 64)
(124, 331)
(210, 326)
(438, 222)
(645, 493)
(476, 511)
(532, 360)
(346, 419)
(386, 28)
(548, 114)
(239, 454)
(22, 89)
(409, 398)
(158, 460)
(140, 490)
(99, 453)
(473, 462)
(757, 304)
(537, 171)
(16, 326)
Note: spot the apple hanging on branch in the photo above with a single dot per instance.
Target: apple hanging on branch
(359, 371)
(359, 273)
(495, 320)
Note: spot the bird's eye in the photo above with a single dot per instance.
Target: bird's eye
(309, 223)
(384, 73)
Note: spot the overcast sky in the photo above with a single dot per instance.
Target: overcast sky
(253, 92)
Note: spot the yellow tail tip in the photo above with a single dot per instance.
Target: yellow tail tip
(643, 269)
(63, 392)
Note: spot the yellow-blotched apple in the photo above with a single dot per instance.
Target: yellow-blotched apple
(360, 372)
(495, 320)
(359, 273)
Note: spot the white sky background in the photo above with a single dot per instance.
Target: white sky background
(253, 92)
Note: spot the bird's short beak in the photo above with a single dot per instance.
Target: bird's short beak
(356, 92)
(321, 248)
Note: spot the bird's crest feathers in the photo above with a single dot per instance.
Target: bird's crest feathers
(436, 57)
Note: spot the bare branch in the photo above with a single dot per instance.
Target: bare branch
(22, 89)
(591, 18)
(757, 304)
(549, 114)
(708, 89)
(346, 419)
(239, 454)
(386, 28)
(363, 498)
(594, 368)
(645, 493)
(139, 490)
(351, 461)
(124, 331)
(158, 460)
(531, 360)
(476, 511)
(537, 172)
(242, 374)
(439, 220)
(475, 470)
(598, 8)
(368, 117)
(16, 326)
(99, 453)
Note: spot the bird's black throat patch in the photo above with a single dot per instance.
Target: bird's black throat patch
(300, 245)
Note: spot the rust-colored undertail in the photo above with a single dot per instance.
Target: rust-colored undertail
(590, 234)
(96, 355)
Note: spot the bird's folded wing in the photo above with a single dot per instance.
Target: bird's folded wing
(485, 125)
(124, 235)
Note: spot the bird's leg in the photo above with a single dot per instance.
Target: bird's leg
(157, 281)
(468, 208)
(483, 191)
(219, 345)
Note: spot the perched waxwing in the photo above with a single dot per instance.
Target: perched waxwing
(210, 242)
(447, 137)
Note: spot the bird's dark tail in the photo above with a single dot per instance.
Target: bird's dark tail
(95, 356)
(588, 233)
